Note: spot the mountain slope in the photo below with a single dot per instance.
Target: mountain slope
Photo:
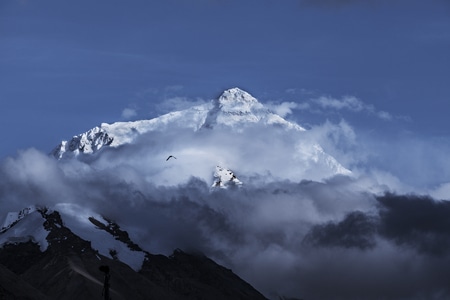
(68, 268)
(222, 132)
(12, 286)
(235, 109)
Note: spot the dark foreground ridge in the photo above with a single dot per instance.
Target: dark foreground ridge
(69, 269)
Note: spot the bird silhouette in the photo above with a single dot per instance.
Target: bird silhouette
(170, 156)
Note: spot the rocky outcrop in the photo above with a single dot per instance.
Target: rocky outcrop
(69, 268)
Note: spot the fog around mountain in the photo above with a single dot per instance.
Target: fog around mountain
(289, 229)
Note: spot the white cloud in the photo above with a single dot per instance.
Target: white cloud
(178, 103)
(349, 103)
(285, 108)
(129, 113)
(261, 228)
(291, 91)
(384, 115)
(302, 91)
(441, 192)
(339, 140)
(258, 230)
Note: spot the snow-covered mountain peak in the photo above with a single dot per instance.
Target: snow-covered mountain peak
(228, 129)
(235, 109)
(236, 95)
(238, 102)
(238, 109)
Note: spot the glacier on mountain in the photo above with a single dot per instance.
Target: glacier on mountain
(26, 226)
(16, 216)
(235, 121)
(29, 224)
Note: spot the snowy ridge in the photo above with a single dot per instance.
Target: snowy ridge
(88, 142)
(234, 112)
(234, 108)
(28, 225)
(316, 154)
(14, 217)
(78, 219)
(24, 226)
(121, 133)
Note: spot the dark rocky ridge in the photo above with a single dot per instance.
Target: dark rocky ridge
(69, 269)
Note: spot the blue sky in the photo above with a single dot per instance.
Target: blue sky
(382, 67)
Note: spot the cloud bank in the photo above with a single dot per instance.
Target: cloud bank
(350, 103)
(338, 238)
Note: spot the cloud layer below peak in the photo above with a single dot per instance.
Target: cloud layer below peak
(337, 237)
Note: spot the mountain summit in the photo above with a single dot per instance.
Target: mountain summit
(237, 108)
(233, 127)
(236, 95)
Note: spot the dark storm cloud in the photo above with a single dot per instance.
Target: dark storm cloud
(401, 252)
(307, 239)
(416, 221)
(357, 230)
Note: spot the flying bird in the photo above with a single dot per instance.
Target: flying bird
(170, 156)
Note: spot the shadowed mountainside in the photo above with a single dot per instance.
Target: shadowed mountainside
(69, 269)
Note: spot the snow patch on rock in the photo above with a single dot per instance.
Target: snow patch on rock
(223, 178)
